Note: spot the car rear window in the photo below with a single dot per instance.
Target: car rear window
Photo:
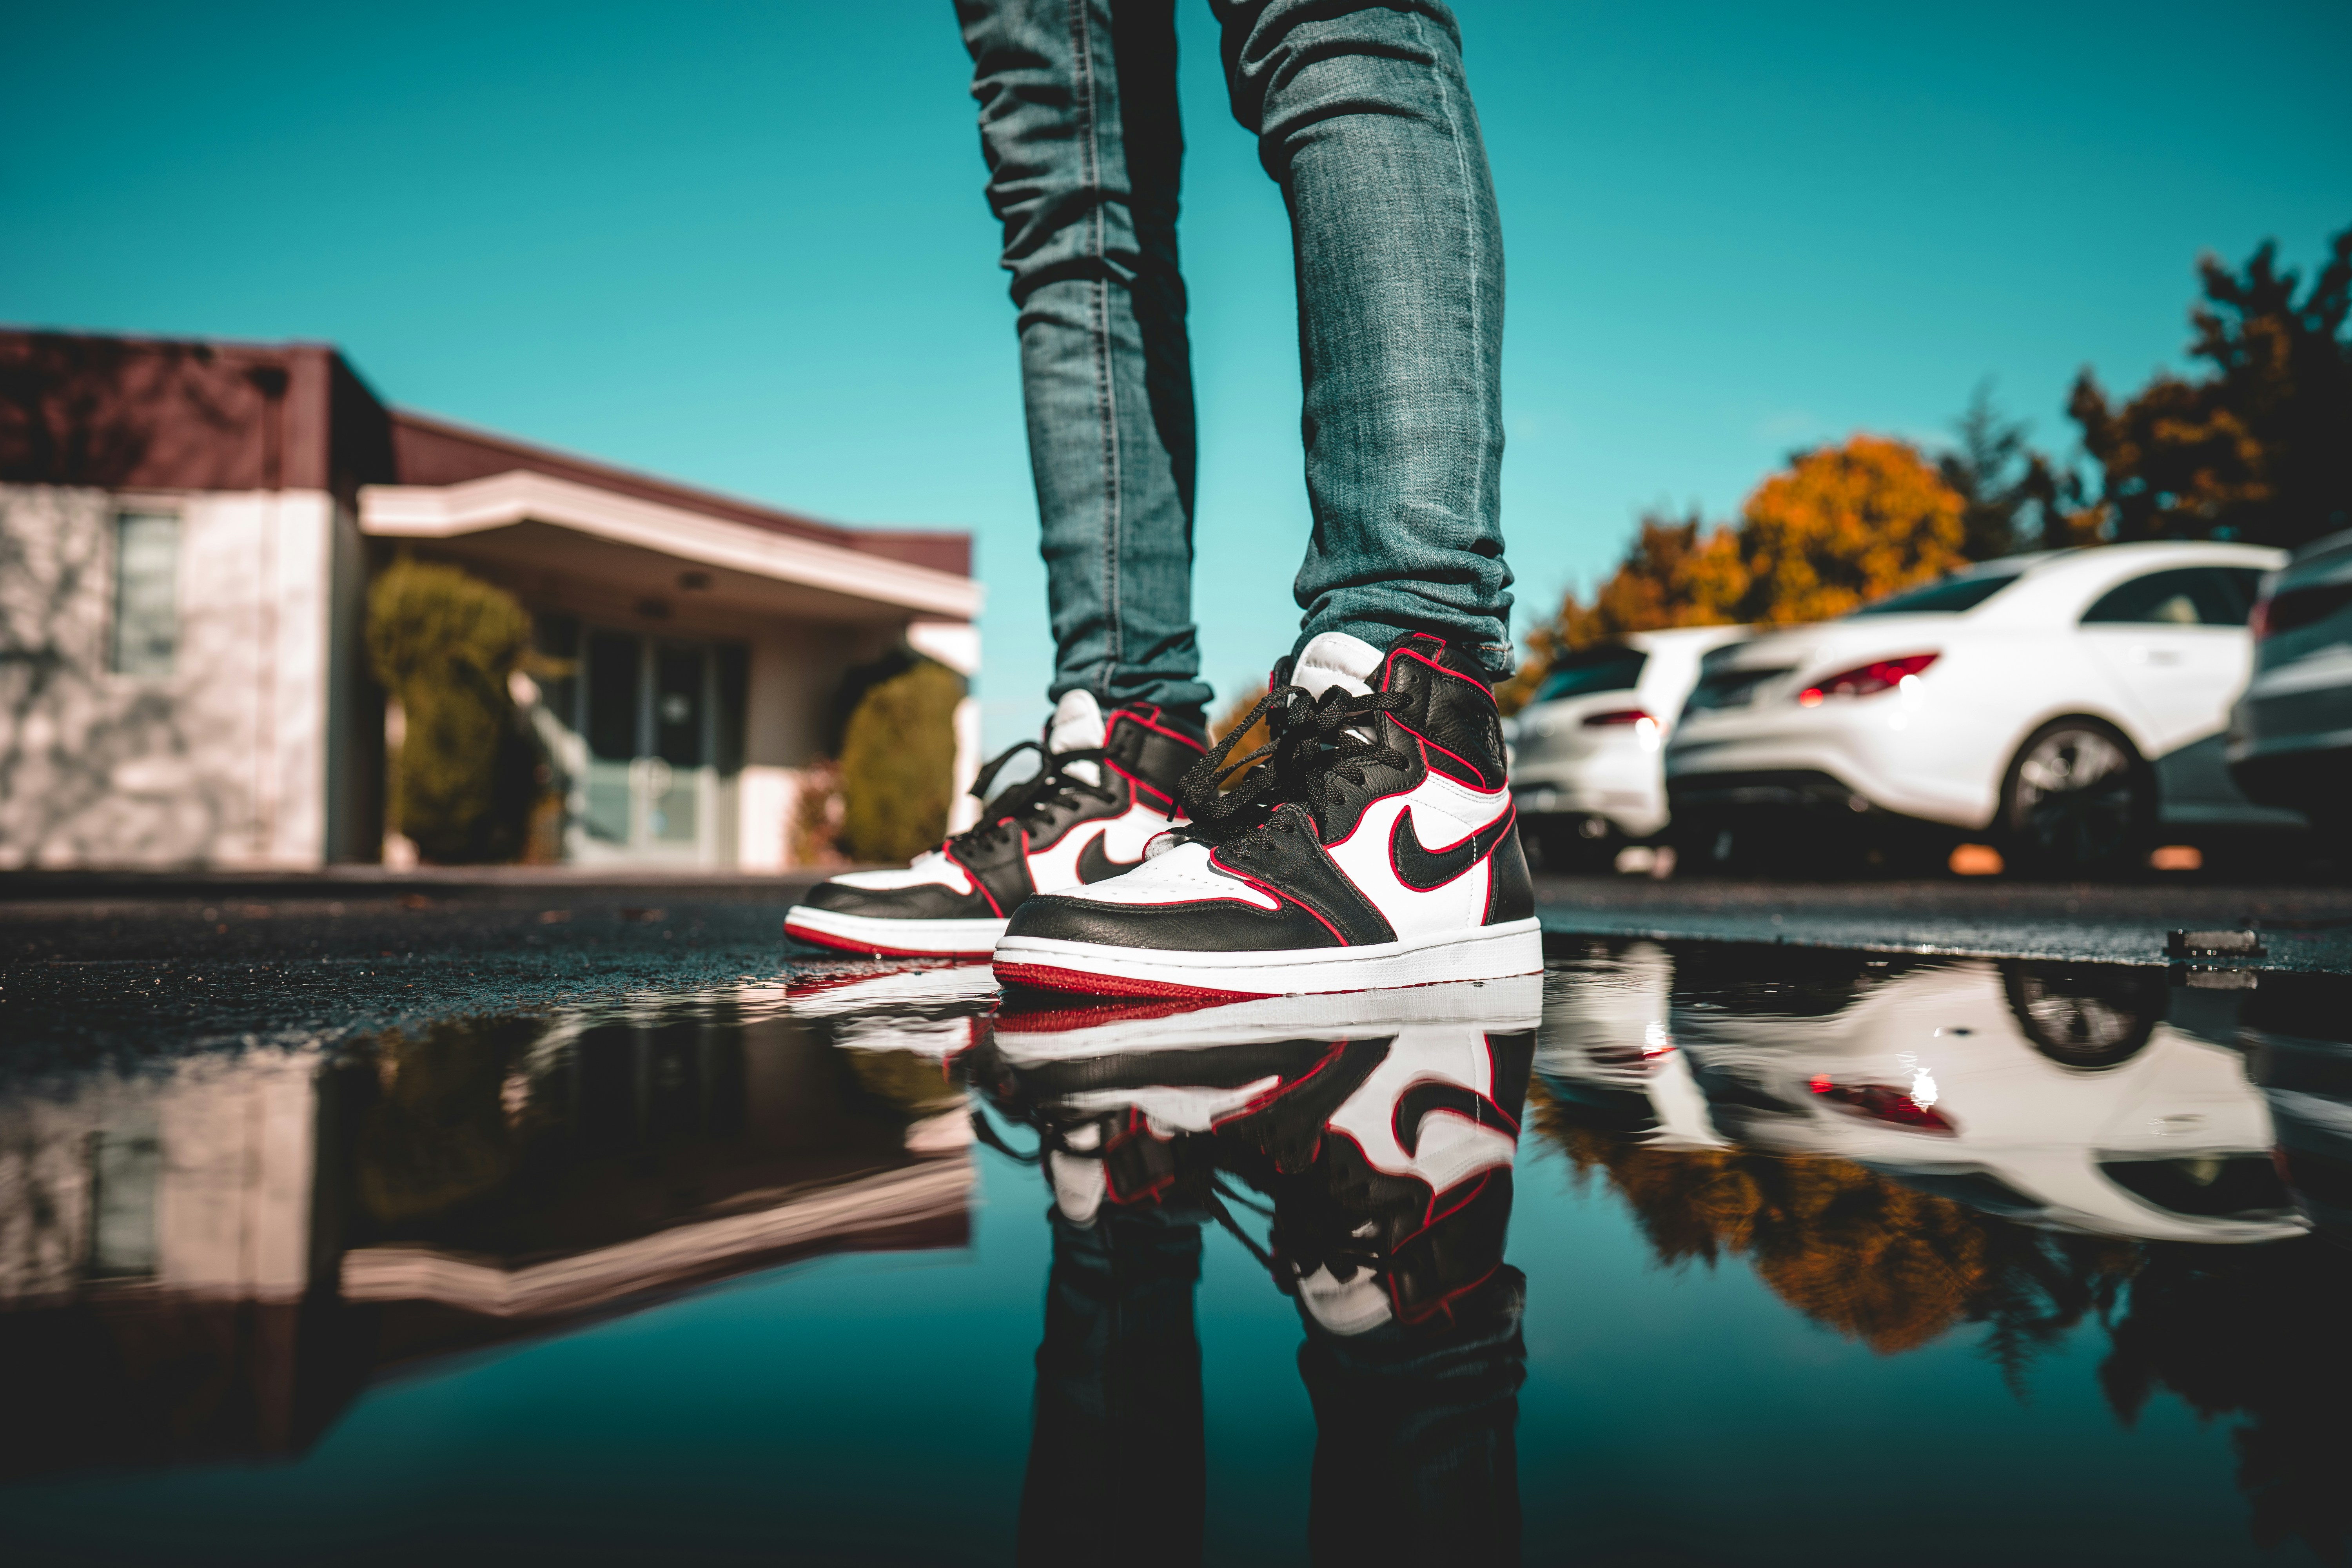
(1944, 596)
(1610, 667)
(2183, 596)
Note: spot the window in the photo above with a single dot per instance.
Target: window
(2184, 597)
(1944, 595)
(1587, 670)
(125, 1169)
(146, 593)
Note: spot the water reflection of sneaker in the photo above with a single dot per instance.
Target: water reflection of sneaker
(1374, 848)
(934, 1009)
(1133, 1130)
(1103, 791)
(1036, 1027)
(1401, 1210)
(1383, 1127)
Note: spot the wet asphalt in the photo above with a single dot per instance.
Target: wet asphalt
(126, 967)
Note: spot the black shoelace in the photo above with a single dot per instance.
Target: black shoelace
(1055, 785)
(1316, 744)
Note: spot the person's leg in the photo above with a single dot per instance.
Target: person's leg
(1078, 124)
(1416, 1435)
(1117, 1465)
(1363, 118)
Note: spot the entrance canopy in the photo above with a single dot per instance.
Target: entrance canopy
(524, 516)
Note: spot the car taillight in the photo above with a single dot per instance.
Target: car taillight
(1617, 716)
(1913, 1107)
(1867, 679)
(2259, 620)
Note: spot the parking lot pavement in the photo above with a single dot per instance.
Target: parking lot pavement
(2302, 928)
(124, 966)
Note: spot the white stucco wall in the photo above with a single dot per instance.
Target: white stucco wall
(222, 1196)
(221, 762)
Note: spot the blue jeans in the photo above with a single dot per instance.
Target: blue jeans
(1363, 118)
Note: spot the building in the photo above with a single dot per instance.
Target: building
(187, 532)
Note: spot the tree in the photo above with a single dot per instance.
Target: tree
(2013, 498)
(443, 643)
(1256, 735)
(1843, 525)
(2260, 448)
(897, 762)
(1677, 573)
(1839, 525)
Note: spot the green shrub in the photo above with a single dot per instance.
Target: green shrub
(897, 763)
(444, 644)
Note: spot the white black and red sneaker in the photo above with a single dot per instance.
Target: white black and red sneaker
(1386, 1139)
(1376, 847)
(1103, 791)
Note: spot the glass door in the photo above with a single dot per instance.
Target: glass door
(646, 714)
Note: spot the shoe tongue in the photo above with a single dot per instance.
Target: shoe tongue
(1077, 726)
(1335, 659)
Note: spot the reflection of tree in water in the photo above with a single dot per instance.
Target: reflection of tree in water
(2260, 1329)
(2263, 1331)
(1853, 1250)
(437, 1136)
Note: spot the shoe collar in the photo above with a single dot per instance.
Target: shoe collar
(1336, 659)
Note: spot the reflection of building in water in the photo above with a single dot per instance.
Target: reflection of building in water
(210, 1260)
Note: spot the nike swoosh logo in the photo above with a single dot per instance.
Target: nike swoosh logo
(1424, 871)
(1096, 865)
(1427, 1098)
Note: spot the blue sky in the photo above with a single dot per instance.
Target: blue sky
(746, 245)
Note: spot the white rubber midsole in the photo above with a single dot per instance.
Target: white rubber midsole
(877, 933)
(1489, 953)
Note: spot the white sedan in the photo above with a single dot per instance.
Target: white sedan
(1585, 770)
(2064, 703)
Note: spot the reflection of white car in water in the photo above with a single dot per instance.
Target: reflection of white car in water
(2066, 702)
(2058, 1098)
(1586, 769)
(1607, 1049)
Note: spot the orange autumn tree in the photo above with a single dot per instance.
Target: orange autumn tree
(1677, 573)
(1843, 525)
(1853, 1250)
(1839, 526)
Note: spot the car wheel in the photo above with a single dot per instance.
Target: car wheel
(2085, 1017)
(2078, 799)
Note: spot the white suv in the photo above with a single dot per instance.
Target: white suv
(2064, 703)
(1586, 771)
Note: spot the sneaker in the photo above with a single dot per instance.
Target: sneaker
(1106, 787)
(1385, 1138)
(1375, 847)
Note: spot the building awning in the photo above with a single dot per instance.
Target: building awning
(511, 499)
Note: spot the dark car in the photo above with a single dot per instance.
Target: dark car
(2290, 733)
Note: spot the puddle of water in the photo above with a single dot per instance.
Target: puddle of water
(1679, 1254)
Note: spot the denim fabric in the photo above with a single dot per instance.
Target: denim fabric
(1363, 118)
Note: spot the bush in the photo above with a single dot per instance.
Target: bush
(897, 763)
(443, 643)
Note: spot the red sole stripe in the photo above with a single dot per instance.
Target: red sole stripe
(1045, 977)
(843, 945)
